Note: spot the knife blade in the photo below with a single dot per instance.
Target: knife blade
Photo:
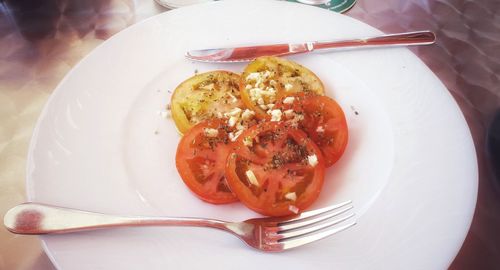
(249, 53)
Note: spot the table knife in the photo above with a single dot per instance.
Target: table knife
(248, 53)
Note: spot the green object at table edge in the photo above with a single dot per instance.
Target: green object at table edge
(340, 6)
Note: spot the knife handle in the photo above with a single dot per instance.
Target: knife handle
(402, 39)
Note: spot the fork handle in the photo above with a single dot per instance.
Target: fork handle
(35, 218)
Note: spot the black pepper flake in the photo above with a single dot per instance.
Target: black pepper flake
(354, 109)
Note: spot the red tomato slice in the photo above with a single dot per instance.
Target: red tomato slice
(322, 119)
(201, 159)
(275, 170)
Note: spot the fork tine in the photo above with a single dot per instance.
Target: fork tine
(311, 219)
(299, 241)
(319, 211)
(313, 228)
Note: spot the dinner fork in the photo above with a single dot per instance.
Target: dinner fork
(266, 234)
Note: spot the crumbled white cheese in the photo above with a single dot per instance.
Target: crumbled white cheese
(255, 93)
(208, 86)
(237, 134)
(239, 126)
(232, 121)
(253, 76)
(291, 196)
(247, 114)
(276, 115)
(211, 132)
(270, 105)
(233, 98)
(267, 74)
(258, 76)
(288, 100)
(270, 92)
(320, 129)
(234, 135)
(219, 115)
(293, 209)
(313, 160)
(234, 112)
(259, 91)
(289, 113)
(163, 113)
(273, 82)
(288, 86)
(251, 178)
(264, 107)
(297, 118)
(247, 141)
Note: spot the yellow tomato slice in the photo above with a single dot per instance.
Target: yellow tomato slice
(205, 96)
(267, 79)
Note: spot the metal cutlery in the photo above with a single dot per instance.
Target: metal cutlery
(266, 234)
(248, 53)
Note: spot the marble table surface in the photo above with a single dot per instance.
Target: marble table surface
(40, 41)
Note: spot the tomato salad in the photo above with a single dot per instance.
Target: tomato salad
(263, 138)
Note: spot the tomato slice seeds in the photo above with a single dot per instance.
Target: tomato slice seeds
(274, 174)
(201, 158)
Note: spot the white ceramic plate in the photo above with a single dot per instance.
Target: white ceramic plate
(99, 145)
